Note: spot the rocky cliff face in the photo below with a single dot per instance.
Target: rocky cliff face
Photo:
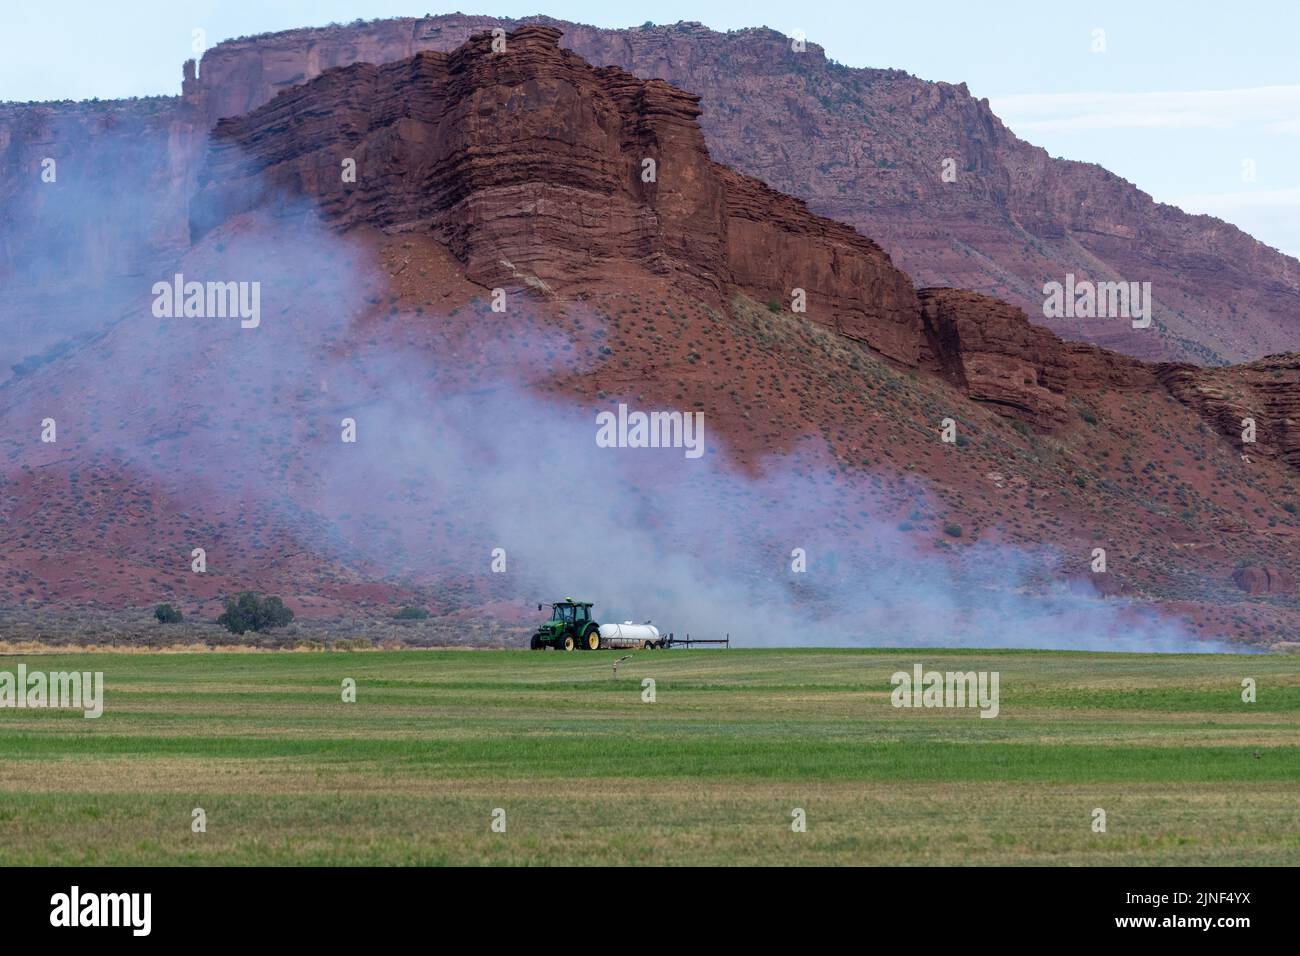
(532, 167)
(1265, 393)
(457, 145)
(990, 350)
(862, 146)
(867, 147)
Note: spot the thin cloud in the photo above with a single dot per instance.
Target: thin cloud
(1275, 108)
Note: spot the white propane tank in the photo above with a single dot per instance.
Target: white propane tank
(628, 634)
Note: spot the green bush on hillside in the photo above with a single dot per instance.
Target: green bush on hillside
(252, 612)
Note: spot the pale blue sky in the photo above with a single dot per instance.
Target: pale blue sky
(1184, 94)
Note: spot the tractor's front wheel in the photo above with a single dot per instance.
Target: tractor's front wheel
(535, 644)
(568, 642)
(593, 640)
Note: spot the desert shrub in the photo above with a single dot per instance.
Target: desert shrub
(252, 612)
(952, 530)
(167, 614)
(409, 613)
(1088, 415)
(774, 305)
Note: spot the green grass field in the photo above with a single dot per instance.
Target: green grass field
(709, 773)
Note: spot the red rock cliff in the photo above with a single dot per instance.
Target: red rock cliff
(528, 163)
(865, 147)
(862, 146)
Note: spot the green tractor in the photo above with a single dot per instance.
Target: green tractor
(570, 627)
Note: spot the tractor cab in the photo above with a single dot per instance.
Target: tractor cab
(570, 627)
(570, 613)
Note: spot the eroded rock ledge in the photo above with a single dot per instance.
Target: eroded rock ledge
(530, 164)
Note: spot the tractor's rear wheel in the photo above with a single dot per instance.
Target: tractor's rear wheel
(593, 640)
(568, 642)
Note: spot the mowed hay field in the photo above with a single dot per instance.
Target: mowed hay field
(709, 773)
